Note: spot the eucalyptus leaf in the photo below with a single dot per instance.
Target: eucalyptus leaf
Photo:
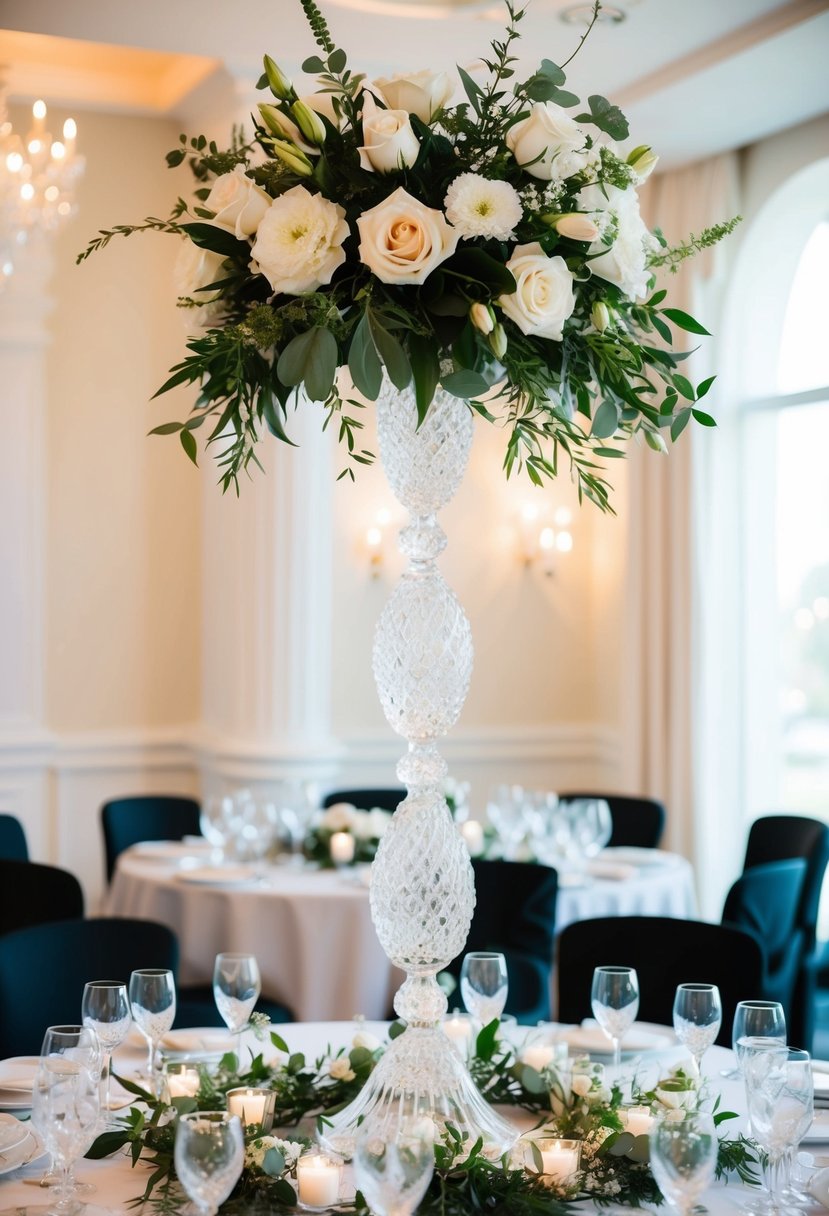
(465, 384)
(605, 420)
(364, 362)
(684, 321)
(273, 1162)
(394, 357)
(188, 442)
(217, 240)
(606, 117)
(310, 359)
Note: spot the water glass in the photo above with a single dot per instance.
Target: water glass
(105, 1008)
(66, 1104)
(236, 988)
(683, 1157)
(484, 985)
(393, 1167)
(615, 1002)
(152, 993)
(506, 809)
(697, 1018)
(209, 1155)
(752, 1020)
(780, 1093)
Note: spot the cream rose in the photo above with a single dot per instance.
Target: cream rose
(625, 262)
(299, 242)
(581, 1084)
(196, 268)
(339, 817)
(551, 139)
(543, 298)
(389, 141)
(402, 241)
(420, 93)
(341, 1070)
(363, 1038)
(238, 202)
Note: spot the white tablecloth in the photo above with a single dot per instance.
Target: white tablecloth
(117, 1183)
(311, 930)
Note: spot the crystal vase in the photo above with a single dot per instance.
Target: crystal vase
(422, 886)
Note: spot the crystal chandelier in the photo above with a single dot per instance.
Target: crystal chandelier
(38, 176)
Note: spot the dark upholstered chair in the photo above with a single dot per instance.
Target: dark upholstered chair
(367, 800)
(13, 839)
(31, 894)
(515, 914)
(665, 952)
(639, 822)
(127, 821)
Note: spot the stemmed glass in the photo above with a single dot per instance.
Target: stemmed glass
(66, 1105)
(683, 1157)
(780, 1093)
(484, 985)
(209, 1155)
(153, 1001)
(236, 988)
(697, 1018)
(296, 809)
(506, 811)
(615, 1002)
(752, 1020)
(106, 1010)
(393, 1170)
(215, 820)
(591, 824)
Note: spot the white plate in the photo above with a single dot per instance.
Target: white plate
(641, 1037)
(218, 876)
(201, 1043)
(819, 1131)
(17, 1078)
(28, 1150)
(12, 1132)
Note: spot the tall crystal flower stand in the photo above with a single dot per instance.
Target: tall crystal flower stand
(422, 886)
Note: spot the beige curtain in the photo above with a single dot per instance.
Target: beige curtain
(662, 652)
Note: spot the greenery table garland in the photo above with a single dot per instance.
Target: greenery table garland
(571, 1104)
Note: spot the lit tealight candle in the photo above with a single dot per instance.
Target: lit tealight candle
(638, 1120)
(318, 1180)
(473, 833)
(538, 1055)
(253, 1106)
(342, 848)
(458, 1027)
(560, 1159)
(183, 1081)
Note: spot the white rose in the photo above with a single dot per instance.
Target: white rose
(402, 240)
(238, 202)
(551, 139)
(580, 1084)
(196, 268)
(340, 1069)
(378, 823)
(675, 1116)
(676, 1099)
(389, 141)
(420, 93)
(363, 1039)
(362, 825)
(299, 242)
(340, 817)
(543, 298)
(625, 261)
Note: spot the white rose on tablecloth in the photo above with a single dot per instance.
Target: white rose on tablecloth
(402, 240)
(238, 202)
(551, 139)
(625, 261)
(543, 298)
(420, 93)
(195, 268)
(341, 1070)
(364, 1039)
(389, 141)
(340, 817)
(299, 242)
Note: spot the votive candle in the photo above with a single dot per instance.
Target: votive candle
(342, 848)
(638, 1120)
(473, 833)
(183, 1081)
(458, 1027)
(538, 1055)
(253, 1106)
(318, 1180)
(560, 1159)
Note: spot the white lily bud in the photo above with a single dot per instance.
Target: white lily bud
(600, 315)
(482, 317)
(280, 84)
(309, 123)
(576, 226)
(643, 161)
(274, 120)
(498, 341)
(291, 156)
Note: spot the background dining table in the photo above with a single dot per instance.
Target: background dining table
(311, 929)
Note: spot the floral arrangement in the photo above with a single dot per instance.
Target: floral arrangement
(571, 1101)
(493, 247)
(367, 828)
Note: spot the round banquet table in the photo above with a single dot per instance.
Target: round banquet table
(311, 930)
(117, 1183)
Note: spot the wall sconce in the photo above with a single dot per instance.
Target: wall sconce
(542, 542)
(375, 542)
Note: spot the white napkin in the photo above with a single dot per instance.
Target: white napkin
(214, 1042)
(17, 1074)
(590, 1037)
(615, 871)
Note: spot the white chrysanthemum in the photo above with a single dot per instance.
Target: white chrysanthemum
(299, 241)
(476, 206)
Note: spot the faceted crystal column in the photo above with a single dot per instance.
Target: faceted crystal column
(422, 889)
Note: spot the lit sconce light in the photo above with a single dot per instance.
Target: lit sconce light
(375, 538)
(541, 542)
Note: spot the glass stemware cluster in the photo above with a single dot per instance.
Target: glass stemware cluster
(66, 1104)
(249, 827)
(562, 833)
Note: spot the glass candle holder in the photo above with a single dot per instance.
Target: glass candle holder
(638, 1120)
(460, 1028)
(254, 1107)
(181, 1080)
(318, 1181)
(342, 846)
(560, 1160)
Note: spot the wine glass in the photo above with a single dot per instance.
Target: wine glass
(484, 985)
(236, 988)
(296, 809)
(505, 809)
(615, 1002)
(780, 1093)
(66, 1105)
(152, 995)
(591, 824)
(697, 1018)
(215, 821)
(755, 1019)
(106, 1010)
(393, 1166)
(209, 1155)
(683, 1157)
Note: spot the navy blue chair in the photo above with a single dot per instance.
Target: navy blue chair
(665, 952)
(515, 915)
(368, 800)
(127, 821)
(31, 894)
(637, 822)
(13, 839)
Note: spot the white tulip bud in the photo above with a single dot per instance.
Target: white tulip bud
(576, 226)
(643, 161)
(600, 315)
(498, 341)
(482, 317)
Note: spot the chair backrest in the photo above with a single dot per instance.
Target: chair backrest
(13, 839)
(782, 837)
(367, 800)
(43, 970)
(665, 952)
(31, 894)
(765, 900)
(127, 821)
(637, 822)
